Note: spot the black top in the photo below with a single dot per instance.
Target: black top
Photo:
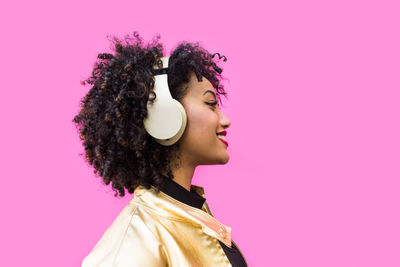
(193, 199)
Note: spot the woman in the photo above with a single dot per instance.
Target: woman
(167, 222)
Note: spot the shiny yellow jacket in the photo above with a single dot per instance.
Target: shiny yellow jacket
(158, 230)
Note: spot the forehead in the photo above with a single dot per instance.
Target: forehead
(200, 88)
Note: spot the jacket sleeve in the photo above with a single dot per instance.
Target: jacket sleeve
(128, 242)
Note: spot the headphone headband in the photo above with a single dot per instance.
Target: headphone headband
(165, 61)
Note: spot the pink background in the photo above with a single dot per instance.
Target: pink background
(313, 178)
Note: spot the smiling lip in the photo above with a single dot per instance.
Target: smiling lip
(223, 133)
(223, 141)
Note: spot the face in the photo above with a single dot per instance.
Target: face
(200, 144)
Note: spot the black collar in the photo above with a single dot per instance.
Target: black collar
(180, 193)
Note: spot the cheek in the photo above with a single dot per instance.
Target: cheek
(202, 122)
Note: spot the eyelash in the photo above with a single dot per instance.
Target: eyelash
(213, 104)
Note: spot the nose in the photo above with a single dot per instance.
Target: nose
(224, 120)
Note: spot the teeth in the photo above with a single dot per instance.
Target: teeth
(221, 136)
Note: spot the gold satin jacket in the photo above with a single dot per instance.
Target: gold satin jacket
(158, 230)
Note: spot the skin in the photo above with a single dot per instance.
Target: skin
(199, 145)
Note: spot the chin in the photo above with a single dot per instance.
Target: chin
(222, 160)
(225, 159)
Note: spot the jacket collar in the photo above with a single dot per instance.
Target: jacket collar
(175, 190)
(169, 207)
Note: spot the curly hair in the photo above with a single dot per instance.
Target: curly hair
(110, 120)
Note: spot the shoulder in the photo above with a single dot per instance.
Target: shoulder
(128, 241)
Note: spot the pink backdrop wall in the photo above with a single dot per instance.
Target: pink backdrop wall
(313, 87)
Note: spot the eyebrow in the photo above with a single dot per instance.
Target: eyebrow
(209, 91)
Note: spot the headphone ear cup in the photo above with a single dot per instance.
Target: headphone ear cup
(166, 117)
(178, 135)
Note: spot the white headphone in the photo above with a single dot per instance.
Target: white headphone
(166, 117)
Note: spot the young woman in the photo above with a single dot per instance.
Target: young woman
(168, 221)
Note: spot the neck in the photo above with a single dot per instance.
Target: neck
(183, 174)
